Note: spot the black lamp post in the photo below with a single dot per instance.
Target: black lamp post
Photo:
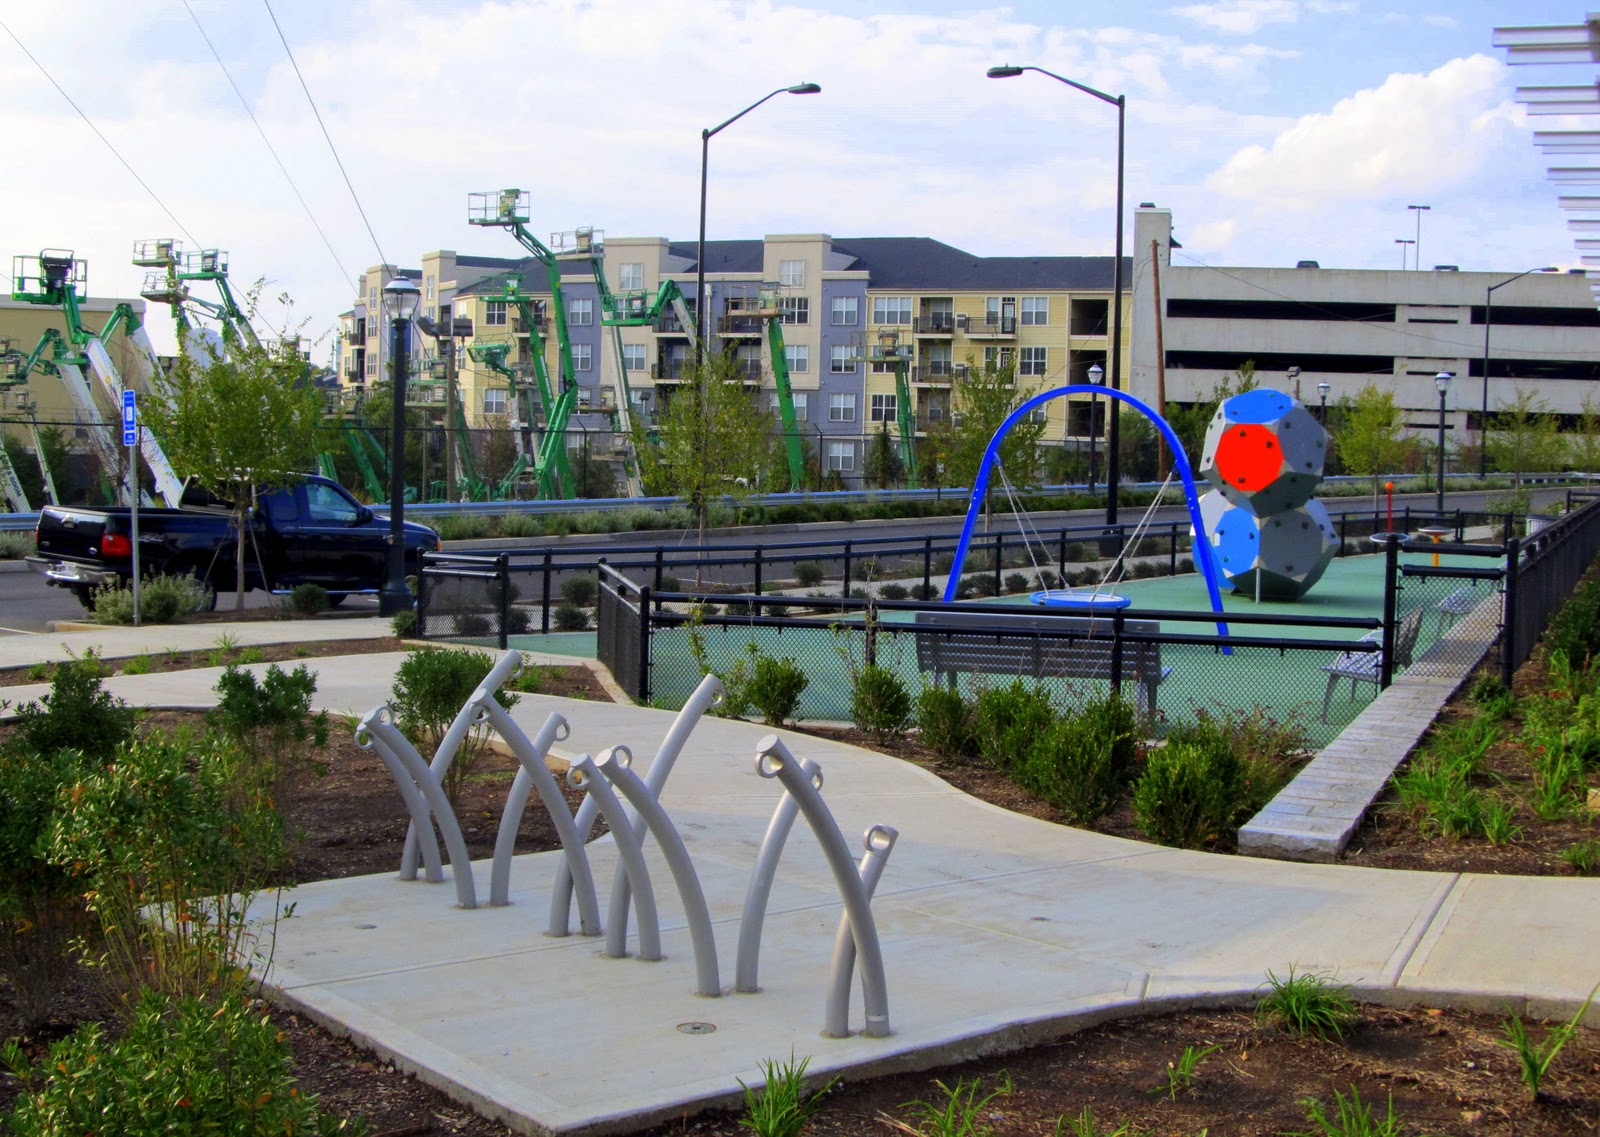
(1323, 389)
(1488, 320)
(700, 304)
(400, 298)
(1113, 439)
(1097, 375)
(1442, 382)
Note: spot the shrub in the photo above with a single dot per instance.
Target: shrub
(928, 591)
(307, 599)
(978, 584)
(430, 688)
(162, 600)
(519, 525)
(808, 574)
(518, 621)
(271, 721)
(1078, 552)
(579, 591)
(77, 714)
(669, 583)
(943, 563)
(1016, 582)
(1188, 793)
(774, 688)
(892, 591)
(462, 527)
(1308, 1004)
(404, 623)
(1006, 721)
(1185, 565)
(945, 720)
(570, 618)
(1082, 763)
(184, 1065)
(879, 703)
(472, 625)
(15, 544)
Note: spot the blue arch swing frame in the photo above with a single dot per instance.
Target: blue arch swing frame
(1205, 556)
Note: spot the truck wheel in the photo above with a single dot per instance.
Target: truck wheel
(337, 598)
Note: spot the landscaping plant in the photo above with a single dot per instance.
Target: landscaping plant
(781, 1107)
(1308, 1004)
(77, 714)
(1007, 720)
(1084, 1125)
(1181, 1073)
(1083, 762)
(1533, 1061)
(879, 703)
(570, 618)
(430, 688)
(307, 600)
(272, 723)
(1352, 1118)
(774, 688)
(959, 1112)
(580, 591)
(944, 719)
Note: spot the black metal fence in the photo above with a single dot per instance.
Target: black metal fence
(623, 639)
(467, 599)
(1542, 570)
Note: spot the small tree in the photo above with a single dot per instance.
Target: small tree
(1189, 421)
(237, 419)
(1526, 438)
(981, 402)
(1585, 448)
(1370, 440)
(882, 465)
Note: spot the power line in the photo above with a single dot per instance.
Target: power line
(96, 130)
(329, 138)
(343, 272)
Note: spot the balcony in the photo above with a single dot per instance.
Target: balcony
(668, 370)
(936, 324)
(991, 325)
(739, 324)
(751, 369)
(670, 325)
(520, 326)
(935, 373)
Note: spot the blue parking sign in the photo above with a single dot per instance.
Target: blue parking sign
(130, 419)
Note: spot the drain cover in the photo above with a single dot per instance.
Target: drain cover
(365, 927)
(697, 1028)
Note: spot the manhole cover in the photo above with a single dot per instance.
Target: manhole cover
(697, 1028)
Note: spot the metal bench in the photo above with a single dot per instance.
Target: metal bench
(1367, 666)
(979, 643)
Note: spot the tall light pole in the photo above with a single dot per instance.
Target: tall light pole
(1114, 438)
(1442, 382)
(700, 304)
(1488, 322)
(400, 298)
(1420, 209)
(1322, 389)
(1403, 242)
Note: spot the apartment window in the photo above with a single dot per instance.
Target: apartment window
(883, 408)
(842, 456)
(846, 311)
(427, 286)
(891, 309)
(580, 312)
(842, 407)
(494, 401)
(1035, 310)
(840, 360)
(792, 274)
(631, 276)
(796, 310)
(802, 404)
(1032, 361)
(633, 356)
(494, 312)
(1039, 414)
(798, 357)
(372, 301)
(582, 357)
(996, 358)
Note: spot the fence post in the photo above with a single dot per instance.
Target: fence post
(1061, 553)
(503, 573)
(1391, 587)
(927, 568)
(1117, 619)
(660, 563)
(544, 597)
(1172, 546)
(844, 589)
(758, 571)
(999, 559)
(1508, 617)
(644, 646)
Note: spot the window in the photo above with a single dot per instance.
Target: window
(580, 313)
(494, 401)
(1033, 361)
(846, 311)
(996, 358)
(883, 408)
(494, 312)
(1039, 414)
(427, 283)
(792, 274)
(840, 360)
(582, 357)
(633, 356)
(631, 276)
(796, 310)
(842, 456)
(798, 357)
(891, 309)
(372, 301)
(1035, 310)
(842, 407)
(328, 506)
(280, 508)
(802, 404)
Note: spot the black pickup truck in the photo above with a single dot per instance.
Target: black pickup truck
(309, 532)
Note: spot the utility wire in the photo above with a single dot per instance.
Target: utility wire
(329, 138)
(142, 183)
(343, 272)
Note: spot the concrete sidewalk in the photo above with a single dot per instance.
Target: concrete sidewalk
(998, 930)
(152, 639)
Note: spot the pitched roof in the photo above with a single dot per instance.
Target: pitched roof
(531, 276)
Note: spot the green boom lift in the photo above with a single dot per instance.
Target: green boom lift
(765, 304)
(889, 352)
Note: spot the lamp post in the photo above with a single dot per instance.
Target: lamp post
(400, 298)
(1403, 242)
(1442, 382)
(1113, 439)
(1419, 209)
(1488, 322)
(1322, 389)
(700, 249)
(1097, 376)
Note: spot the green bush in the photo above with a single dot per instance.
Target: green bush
(879, 703)
(519, 525)
(430, 688)
(518, 621)
(15, 544)
(162, 600)
(774, 688)
(472, 625)
(669, 583)
(77, 714)
(1189, 791)
(1016, 582)
(1083, 762)
(945, 721)
(570, 618)
(1078, 552)
(1006, 721)
(404, 623)
(579, 591)
(943, 563)
(307, 599)
(928, 591)
(272, 723)
(893, 591)
(462, 527)
(183, 1066)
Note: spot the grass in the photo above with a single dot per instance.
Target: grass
(1583, 856)
(138, 665)
(959, 1113)
(1181, 1073)
(1308, 1004)
(1533, 1061)
(781, 1108)
(1084, 1125)
(1352, 1118)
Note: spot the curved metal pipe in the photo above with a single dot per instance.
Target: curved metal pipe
(585, 775)
(707, 694)
(406, 782)
(747, 962)
(773, 760)
(879, 841)
(386, 734)
(614, 764)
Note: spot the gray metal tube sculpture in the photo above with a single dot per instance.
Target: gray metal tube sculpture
(532, 772)
(748, 962)
(879, 841)
(466, 718)
(386, 736)
(405, 780)
(773, 760)
(705, 695)
(585, 775)
(614, 764)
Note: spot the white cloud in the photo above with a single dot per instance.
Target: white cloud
(1241, 17)
(1449, 23)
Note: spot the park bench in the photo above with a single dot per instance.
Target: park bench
(1059, 647)
(1367, 666)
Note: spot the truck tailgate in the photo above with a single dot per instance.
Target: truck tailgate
(73, 534)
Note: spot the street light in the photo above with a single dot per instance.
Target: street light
(700, 253)
(1097, 376)
(1322, 389)
(1488, 320)
(1442, 382)
(1420, 209)
(400, 297)
(1121, 103)
(1403, 242)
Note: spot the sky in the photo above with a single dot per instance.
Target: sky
(1276, 130)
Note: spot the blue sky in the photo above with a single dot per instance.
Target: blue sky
(1274, 129)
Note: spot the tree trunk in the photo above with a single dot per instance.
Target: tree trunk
(238, 558)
